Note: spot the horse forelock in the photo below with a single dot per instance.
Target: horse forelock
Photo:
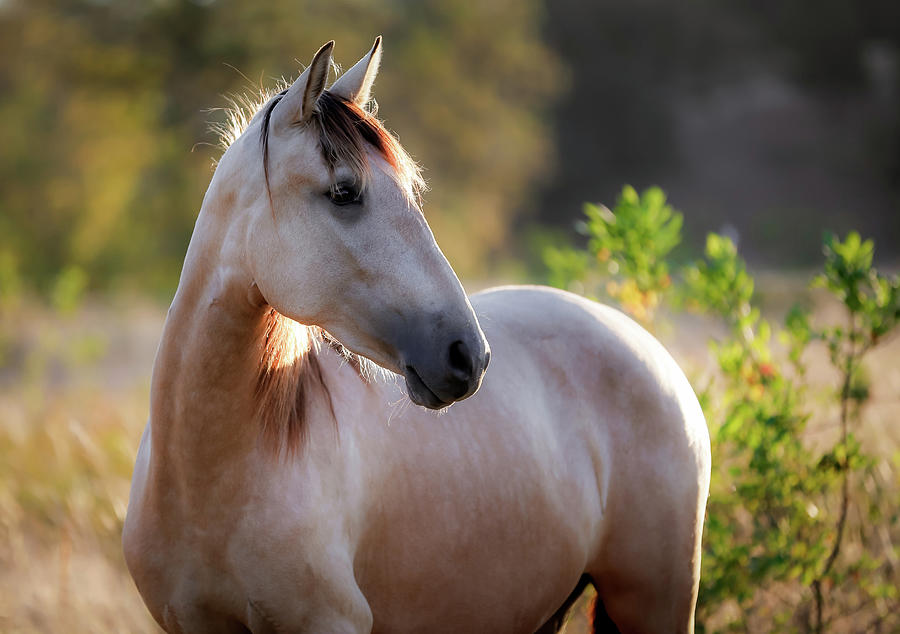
(344, 131)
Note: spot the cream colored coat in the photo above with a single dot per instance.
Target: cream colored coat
(583, 452)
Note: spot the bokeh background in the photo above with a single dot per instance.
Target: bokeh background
(768, 121)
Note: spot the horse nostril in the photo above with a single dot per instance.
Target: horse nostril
(461, 361)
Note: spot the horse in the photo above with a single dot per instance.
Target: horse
(327, 449)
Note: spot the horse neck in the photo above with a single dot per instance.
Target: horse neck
(202, 390)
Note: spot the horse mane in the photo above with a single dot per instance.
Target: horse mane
(289, 372)
(290, 375)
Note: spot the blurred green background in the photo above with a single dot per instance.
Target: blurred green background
(772, 121)
(765, 120)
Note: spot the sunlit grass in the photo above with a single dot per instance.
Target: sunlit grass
(69, 428)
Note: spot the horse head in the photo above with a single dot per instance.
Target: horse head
(336, 237)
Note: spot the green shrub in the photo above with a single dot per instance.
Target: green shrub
(775, 543)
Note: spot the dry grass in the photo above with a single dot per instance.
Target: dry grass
(73, 401)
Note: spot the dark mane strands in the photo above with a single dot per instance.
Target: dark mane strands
(264, 139)
(289, 370)
(345, 130)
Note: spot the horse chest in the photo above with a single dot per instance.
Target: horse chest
(265, 565)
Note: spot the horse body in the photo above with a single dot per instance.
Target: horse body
(584, 452)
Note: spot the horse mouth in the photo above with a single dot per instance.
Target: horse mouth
(419, 393)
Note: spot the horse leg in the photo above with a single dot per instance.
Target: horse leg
(653, 589)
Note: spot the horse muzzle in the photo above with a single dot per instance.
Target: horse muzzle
(453, 374)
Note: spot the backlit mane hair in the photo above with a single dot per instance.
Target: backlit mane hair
(345, 132)
(289, 374)
(289, 371)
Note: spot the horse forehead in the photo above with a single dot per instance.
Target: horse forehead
(300, 156)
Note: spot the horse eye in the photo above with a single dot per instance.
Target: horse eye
(344, 194)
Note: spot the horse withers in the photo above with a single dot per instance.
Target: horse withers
(289, 481)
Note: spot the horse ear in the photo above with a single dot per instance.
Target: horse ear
(299, 101)
(356, 84)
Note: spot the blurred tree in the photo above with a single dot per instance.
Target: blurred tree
(101, 103)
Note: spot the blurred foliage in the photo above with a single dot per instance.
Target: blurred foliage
(777, 520)
(629, 246)
(68, 289)
(101, 104)
(635, 242)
